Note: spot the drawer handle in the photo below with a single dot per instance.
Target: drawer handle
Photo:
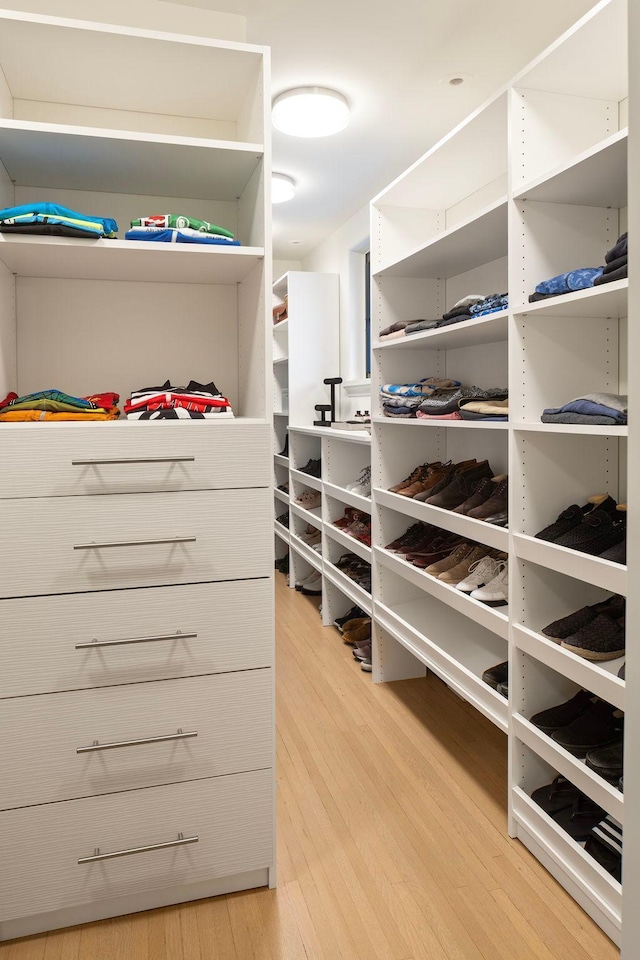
(182, 841)
(116, 643)
(136, 743)
(132, 543)
(98, 463)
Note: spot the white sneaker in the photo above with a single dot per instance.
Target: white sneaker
(363, 481)
(313, 586)
(496, 592)
(480, 573)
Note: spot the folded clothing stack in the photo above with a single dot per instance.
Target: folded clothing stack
(471, 306)
(56, 405)
(176, 228)
(196, 401)
(403, 399)
(465, 403)
(580, 279)
(616, 266)
(53, 220)
(607, 409)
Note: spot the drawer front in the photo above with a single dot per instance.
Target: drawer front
(231, 816)
(72, 459)
(200, 727)
(72, 544)
(148, 634)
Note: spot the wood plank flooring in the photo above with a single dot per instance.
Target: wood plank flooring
(392, 837)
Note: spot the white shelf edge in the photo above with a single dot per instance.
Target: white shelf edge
(581, 566)
(445, 424)
(281, 531)
(576, 429)
(345, 496)
(471, 688)
(314, 519)
(555, 306)
(313, 559)
(467, 330)
(349, 543)
(491, 618)
(281, 327)
(309, 431)
(574, 769)
(586, 673)
(280, 413)
(280, 361)
(313, 482)
(348, 586)
(281, 495)
(350, 436)
(281, 461)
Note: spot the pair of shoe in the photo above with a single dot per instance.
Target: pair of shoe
(356, 523)
(311, 585)
(285, 450)
(422, 479)
(282, 565)
(362, 485)
(498, 678)
(595, 633)
(357, 632)
(309, 499)
(313, 468)
(363, 655)
(356, 569)
(353, 614)
(588, 728)
(598, 528)
(311, 535)
(284, 487)
(283, 519)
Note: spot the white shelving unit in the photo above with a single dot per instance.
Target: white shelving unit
(170, 608)
(547, 194)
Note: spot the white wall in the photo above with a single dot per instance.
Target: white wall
(149, 14)
(342, 253)
(280, 267)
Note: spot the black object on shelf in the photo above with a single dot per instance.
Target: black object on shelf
(324, 408)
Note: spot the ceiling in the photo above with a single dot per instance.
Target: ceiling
(390, 58)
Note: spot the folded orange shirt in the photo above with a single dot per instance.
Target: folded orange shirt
(35, 416)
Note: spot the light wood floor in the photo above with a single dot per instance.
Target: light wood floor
(392, 837)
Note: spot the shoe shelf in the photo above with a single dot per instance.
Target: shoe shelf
(281, 461)
(314, 517)
(315, 483)
(346, 496)
(601, 573)
(574, 769)
(313, 559)
(608, 301)
(309, 431)
(281, 531)
(476, 530)
(599, 677)
(489, 329)
(282, 327)
(348, 586)
(494, 619)
(584, 430)
(351, 436)
(281, 495)
(598, 893)
(597, 177)
(445, 424)
(348, 542)
(457, 651)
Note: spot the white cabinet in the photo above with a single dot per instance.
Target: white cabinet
(137, 609)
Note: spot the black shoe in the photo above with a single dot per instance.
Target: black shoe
(597, 532)
(567, 626)
(285, 450)
(353, 614)
(596, 727)
(313, 468)
(494, 676)
(563, 714)
(602, 639)
(617, 553)
(556, 796)
(580, 818)
(621, 671)
(604, 844)
(607, 761)
(573, 517)
(284, 519)
(503, 689)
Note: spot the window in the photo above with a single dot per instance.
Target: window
(367, 313)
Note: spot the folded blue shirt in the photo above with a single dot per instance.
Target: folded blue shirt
(178, 236)
(568, 282)
(589, 408)
(43, 212)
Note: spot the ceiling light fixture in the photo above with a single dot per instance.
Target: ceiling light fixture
(310, 112)
(282, 188)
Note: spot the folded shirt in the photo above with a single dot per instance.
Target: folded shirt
(579, 418)
(395, 327)
(396, 335)
(448, 401)
(58, 219)
(490, 407)
(438, 416)
(176, 221)
(26, 416)
(620, 274)
(195, 401)
(621, 249)
(418, 326)
(611, 406)
(616, 264)
(457, 318)
(422, 388)
(579, 279)
(185, 235)
(56, 401)
(497, 301)
(462, 306)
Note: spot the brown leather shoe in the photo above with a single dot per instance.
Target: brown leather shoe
(463, 484)
(417, 474)
(458, 573)
(447, 472)
(493, 510)
(485, 489)
(458, 555)
(428, 482)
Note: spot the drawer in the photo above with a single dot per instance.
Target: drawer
(232, 817)
(153, 633)
(200, 727)
(71, 459)
(71, 544)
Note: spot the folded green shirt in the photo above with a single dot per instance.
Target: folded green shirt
(175, 221)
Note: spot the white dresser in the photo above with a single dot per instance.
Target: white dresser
(136, 601)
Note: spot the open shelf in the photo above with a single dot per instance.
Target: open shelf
(315, 483)
(352, 436)
(313, 559)
(349, 543)
(584, 430)
(476, 530)
(345, 496)
(457, 654)
(314, 517)
(281, 461)
(601, 573)
(75, 259)
(281, 495)
(446, 424)
(348, 586)
(281, 531)
(607, 301)
(469, 333)
(599, 677)
(280, 361)
(281, 327)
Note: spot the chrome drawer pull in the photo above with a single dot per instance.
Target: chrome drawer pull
(132, 543)
(116, 643)
(182, 841)
(136, 743)
(97, 463)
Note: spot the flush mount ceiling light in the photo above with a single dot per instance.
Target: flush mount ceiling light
(310, 112)
(282, 188)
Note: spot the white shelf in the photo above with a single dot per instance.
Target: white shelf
(280, 361)
(494, 619)
(117, 161)
(70, 258)
(595, 178)
(348, 586)
(458, 659)
(480, 239)
(314, 517)
(315, 483)
(310, 431)
(281, 531)
(469, 333)
(281, 327)
(446, 424)
(468, 527)
(349, 543)
(279, 413)
(281, 495)
(351, 436)
(574, 769)
(601, 573)
(345, 496)
(607, 301)
(313, 559)
(599, 677)
(589, 883)
(583, 430)
(281, 461)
